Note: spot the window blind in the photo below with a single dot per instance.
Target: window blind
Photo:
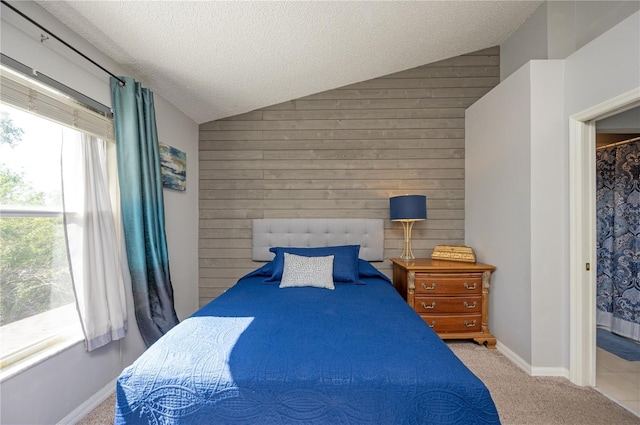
(29, 95)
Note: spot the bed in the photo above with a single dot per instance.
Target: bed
(270, 351)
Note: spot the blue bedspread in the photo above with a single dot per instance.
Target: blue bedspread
(263, 355)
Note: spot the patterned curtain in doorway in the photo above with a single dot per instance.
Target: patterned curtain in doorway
(618, 239)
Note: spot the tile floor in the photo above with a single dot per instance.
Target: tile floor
(619, 379)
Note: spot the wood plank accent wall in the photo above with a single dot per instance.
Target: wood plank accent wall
(341, 153)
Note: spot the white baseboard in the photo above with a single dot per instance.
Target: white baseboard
(531, 370)
(516, 359)
(88, 406)
(550, 371)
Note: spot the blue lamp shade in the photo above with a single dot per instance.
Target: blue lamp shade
(408, 207)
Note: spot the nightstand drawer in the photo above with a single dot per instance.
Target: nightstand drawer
(448, 304)
(444, 324)
(448, 284)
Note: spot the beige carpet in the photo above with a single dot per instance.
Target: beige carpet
(520, 398)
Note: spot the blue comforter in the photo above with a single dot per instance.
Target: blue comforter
(259, 354)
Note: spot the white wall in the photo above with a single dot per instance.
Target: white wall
(559, 28)
(527, 43)
(497, 204)
(53, 389)
(531, 108)
(181, 207)
(549, 295)
(606, 67)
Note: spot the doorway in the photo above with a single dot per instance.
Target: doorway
(617, 147)
(582, 255)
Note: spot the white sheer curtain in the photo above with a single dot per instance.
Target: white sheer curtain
(92, 229)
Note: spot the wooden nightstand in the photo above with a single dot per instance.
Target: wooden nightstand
(451, 296)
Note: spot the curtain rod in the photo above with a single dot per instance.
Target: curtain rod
(122, 82)
(623, 142)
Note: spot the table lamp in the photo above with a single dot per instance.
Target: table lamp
(408, 209)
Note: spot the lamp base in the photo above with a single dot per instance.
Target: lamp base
(407, 259)
(407, 254)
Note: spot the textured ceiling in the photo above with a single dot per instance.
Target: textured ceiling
(214, 59)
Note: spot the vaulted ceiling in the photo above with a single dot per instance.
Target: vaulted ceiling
(214, 59)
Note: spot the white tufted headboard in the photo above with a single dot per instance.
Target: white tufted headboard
(315, 232)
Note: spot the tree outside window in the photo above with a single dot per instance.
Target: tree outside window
(34, 274)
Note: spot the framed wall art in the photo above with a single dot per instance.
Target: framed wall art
(173, 167)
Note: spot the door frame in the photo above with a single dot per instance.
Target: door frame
(582, 234)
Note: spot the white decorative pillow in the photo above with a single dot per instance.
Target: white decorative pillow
(307, 271)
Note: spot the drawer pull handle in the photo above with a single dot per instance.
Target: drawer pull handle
(430, 288)
(466, 285)
(470, 306)
(429, 307)
(470, 325)
(432, 324)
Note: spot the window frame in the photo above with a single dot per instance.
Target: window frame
(25, 89)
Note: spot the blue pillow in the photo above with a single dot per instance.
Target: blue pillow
(345, 260)
(366, 269)
(265, 270)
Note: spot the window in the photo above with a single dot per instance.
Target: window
(37, 302)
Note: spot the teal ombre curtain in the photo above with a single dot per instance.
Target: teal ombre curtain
(143, 208)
